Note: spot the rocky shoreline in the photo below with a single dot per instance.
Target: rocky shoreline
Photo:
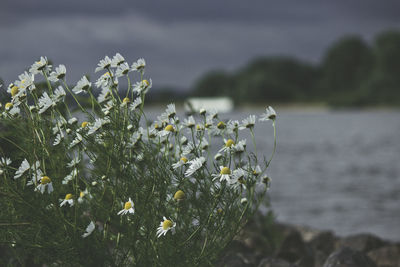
(299, 246)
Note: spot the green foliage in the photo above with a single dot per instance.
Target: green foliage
(352, 72)
(102, 190)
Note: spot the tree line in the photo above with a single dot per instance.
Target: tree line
(352, 72)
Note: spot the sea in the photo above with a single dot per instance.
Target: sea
(335, 170)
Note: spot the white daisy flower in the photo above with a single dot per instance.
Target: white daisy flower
(167, 130)
(182, 161)
(22, 169)
(25, 81)
(14, 111)
(83, 85)
(45, 102)
(204, 144)
(195, 164)
(232, 126)
(165, 226)
(128, 208)
(228, 145)
(142, 87)
(83, 195)
(72, 121)
(170, 111)
(5, 162)
(58, 94)
(218, 156)
(38, 66)
(238, 178)
(58, 74)
(58, 139)
(135, 138)
(224, 174)
(212, 114)
(249, 122)
(257, 170)
(104, 95)
(122, 70)
(183, 140)
(269, 114)
(103, 64)
(189, 122)
(240, 146)
(89, 229)
(70, 176)
(74, 162)
(136, 103)
(188, 149)
(67, 200)
(45, 182)
(117, 60)
(97, 125)
(76, 141)
(105, 80)
(139, 65)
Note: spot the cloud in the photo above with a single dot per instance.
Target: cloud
(178, 50)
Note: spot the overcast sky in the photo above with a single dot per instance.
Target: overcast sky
(179, 39)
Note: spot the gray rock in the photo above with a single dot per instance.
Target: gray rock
(347, 257)
(361, 242)
(387, 256)
(271, 262)
(294, 250)
(324, 241)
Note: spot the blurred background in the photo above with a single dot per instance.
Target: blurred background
(330, 69)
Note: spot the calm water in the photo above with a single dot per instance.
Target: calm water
(337, 170)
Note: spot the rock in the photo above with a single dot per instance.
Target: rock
(295, 250)
(387, 256)
(271, 262)
(361, 242)
(238, 255)
(324, 241)
(347, 257)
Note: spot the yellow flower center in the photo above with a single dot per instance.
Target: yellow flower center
(128, 205)
(68, 196)
(45, 180)
(167, 224)
(179, 195)
(81, 194)
(106, 75)
(229, 143)
(84, 124)
(219, 210)
(126, 100)
(221, 125)
(169, 128)
(14, 90)
(146, 83)
(8, 105)
(184, 159)
(225, 170)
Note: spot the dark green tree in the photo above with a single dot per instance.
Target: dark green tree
(346, 65)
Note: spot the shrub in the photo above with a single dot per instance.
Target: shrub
(104, 186)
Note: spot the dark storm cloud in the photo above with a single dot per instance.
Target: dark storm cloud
(179, 39)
